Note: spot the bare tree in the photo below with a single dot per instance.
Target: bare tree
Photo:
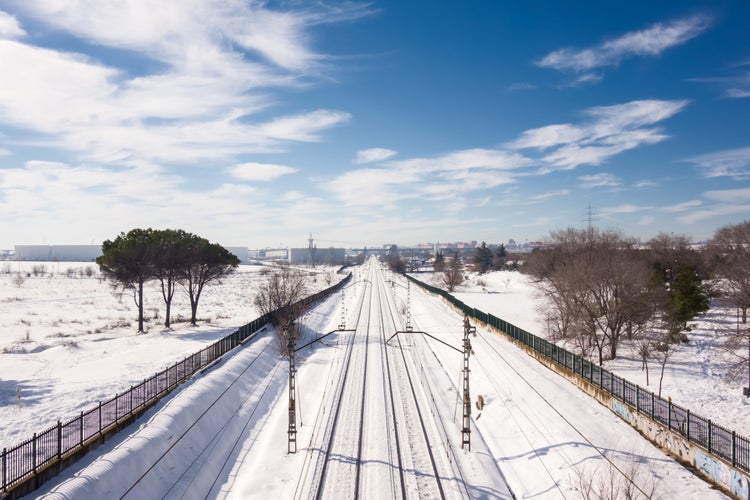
(278, 296)
(454, 275)
(595, 281)
(729, 254)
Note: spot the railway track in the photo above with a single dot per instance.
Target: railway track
(521, 413)
(377, 441)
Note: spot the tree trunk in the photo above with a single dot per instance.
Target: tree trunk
(167, 312)
(140, 306)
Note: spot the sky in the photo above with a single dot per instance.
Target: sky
(258, 123)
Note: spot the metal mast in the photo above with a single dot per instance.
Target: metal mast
(466, 431)
(292, 432)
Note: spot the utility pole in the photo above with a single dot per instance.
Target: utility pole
(408, 307)
(466, 431)
(292, 432)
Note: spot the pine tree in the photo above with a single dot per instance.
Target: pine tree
(687, 298)
(482, 258)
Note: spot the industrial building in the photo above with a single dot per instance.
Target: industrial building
(320, 256)
(84, 253)
(58, 253)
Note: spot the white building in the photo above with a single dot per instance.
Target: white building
(55, 253)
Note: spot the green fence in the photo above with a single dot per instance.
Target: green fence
(21, 465)
(713, 438)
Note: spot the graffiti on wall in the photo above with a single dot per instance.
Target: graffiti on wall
(721, 473)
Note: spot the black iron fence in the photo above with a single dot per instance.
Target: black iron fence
(713, 438)
(25, 461)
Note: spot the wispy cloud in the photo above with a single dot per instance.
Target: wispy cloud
(549, 195)
(651, 41)
(626, 208)
(214, 67)
(373, 155)
(252, 171)
(721, 203)
(682, 207)
(736, 85)
(440, 179)
(733, 163)
(598, 180)
(741, 195)
(609, 131)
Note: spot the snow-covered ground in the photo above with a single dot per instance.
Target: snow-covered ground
(68, 339)
(224, 434)
(695, 376)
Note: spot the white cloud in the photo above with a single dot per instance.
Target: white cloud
(259, 171)
(625, 208)
(714, 211)
(598, 180)
(440, 179)
(373, 155)
(9, 26)
(651, 41)
(609, 131)
(682, 207)
(733, 163)
(741, 195)
(549, 195)
(213, 67)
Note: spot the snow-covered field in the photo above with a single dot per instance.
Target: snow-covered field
(68, 339)
(224, 434)
(695, 376)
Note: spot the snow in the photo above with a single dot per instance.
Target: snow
(696, 376)
(69, 341)
(224, 435)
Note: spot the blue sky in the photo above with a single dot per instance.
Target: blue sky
(257, 123)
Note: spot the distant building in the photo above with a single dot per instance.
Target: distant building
(242, 253)
(61, 253)
(321, 256)
(84, 253)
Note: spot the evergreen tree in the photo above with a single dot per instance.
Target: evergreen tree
(501, 255)
(205, 262)
(439, 264)
(687, 298)
(482, 258)
(128, 260)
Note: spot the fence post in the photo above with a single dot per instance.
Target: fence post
(734, 449)
(710, 448)
(117, 397)
(638, 398)
(81, 427)
(59, 439)
(687, 430)
(652, 404)
(669, 417)
(33, 453)
(100, 418)
(5, 454)
(131, 400)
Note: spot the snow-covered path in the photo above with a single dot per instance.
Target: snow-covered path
(225, 434)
